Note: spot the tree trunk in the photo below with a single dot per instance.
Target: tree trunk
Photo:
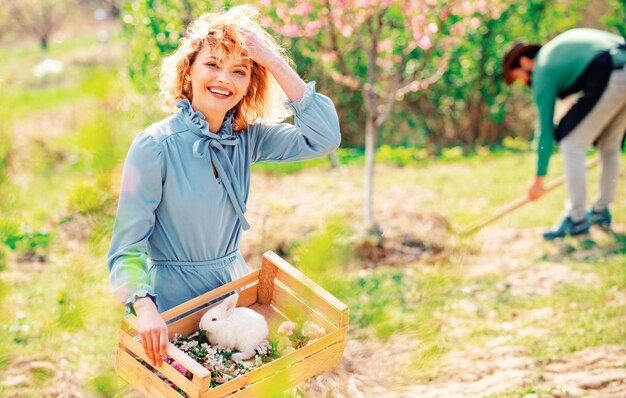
(370, 149)
(43, 42)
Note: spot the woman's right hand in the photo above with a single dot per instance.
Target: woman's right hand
(152, 329)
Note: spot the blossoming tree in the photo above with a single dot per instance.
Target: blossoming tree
(382, 48)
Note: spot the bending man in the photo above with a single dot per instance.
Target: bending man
(590, 62)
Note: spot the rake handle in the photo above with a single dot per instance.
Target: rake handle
(519, 202)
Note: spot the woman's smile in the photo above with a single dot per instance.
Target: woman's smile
(220, 92)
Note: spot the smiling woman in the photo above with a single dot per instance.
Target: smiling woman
(220, 85)
(186, 178)
(223, 51)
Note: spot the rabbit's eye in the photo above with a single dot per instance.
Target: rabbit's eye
(213, 319)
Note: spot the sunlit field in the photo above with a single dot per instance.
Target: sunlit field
(433, 313)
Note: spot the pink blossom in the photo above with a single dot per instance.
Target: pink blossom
(313, 27)
(445, 13)
(385, 64)
(419, 20)
(302, 10)
(181, 369)
(329, 57)
(385, 45)
(424, 43)
(291, 30)
(281, 12)
(346, 31)
(363, 3)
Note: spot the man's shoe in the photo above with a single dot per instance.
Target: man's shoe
(568, 228)
(599, 217)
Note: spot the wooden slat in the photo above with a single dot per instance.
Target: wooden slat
(296, 310)
(166, 369)
(248, 296)
(191, 323)
(267, 274)
(202, 380)
(210, 296)
(273, 317)
(141, 378)
(300, 371)
(310, 297)
(269, 369)
(173, 352)
(308, 290)
(126, 341)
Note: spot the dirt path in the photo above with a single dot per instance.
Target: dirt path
(498, 368)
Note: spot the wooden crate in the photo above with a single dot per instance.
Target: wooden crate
(278, 291)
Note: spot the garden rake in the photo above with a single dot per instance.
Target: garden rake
(517, 203)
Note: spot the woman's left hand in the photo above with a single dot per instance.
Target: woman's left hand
(267, 57)
(260, 52)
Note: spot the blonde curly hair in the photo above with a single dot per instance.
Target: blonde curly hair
(222, 33)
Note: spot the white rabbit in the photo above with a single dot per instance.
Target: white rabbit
(235, 328)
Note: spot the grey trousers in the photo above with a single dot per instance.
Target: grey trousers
(606, 123)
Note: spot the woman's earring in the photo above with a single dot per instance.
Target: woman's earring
(187, 78)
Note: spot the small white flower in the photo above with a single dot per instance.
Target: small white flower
(312, 330)
(286, 328)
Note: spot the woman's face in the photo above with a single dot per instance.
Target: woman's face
(217, 86)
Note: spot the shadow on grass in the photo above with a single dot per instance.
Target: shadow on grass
(599, 244)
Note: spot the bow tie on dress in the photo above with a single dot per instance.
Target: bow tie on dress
(212, 145)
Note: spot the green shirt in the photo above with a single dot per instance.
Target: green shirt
(557, 66)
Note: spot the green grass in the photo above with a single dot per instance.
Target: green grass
(523, 392)
(583, 316)
(279, 168)
(89, 82)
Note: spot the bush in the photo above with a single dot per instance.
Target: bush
(24, 241)
(90, 197)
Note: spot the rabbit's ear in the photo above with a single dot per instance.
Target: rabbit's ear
(231, 302)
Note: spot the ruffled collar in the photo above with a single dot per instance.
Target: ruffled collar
(211, 145)
(198, 124)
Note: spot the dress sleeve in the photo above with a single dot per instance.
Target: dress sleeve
(316, 131)
(140, 195)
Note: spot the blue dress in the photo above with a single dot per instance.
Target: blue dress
(178, 225)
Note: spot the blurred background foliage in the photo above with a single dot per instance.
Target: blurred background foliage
(468, 106)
